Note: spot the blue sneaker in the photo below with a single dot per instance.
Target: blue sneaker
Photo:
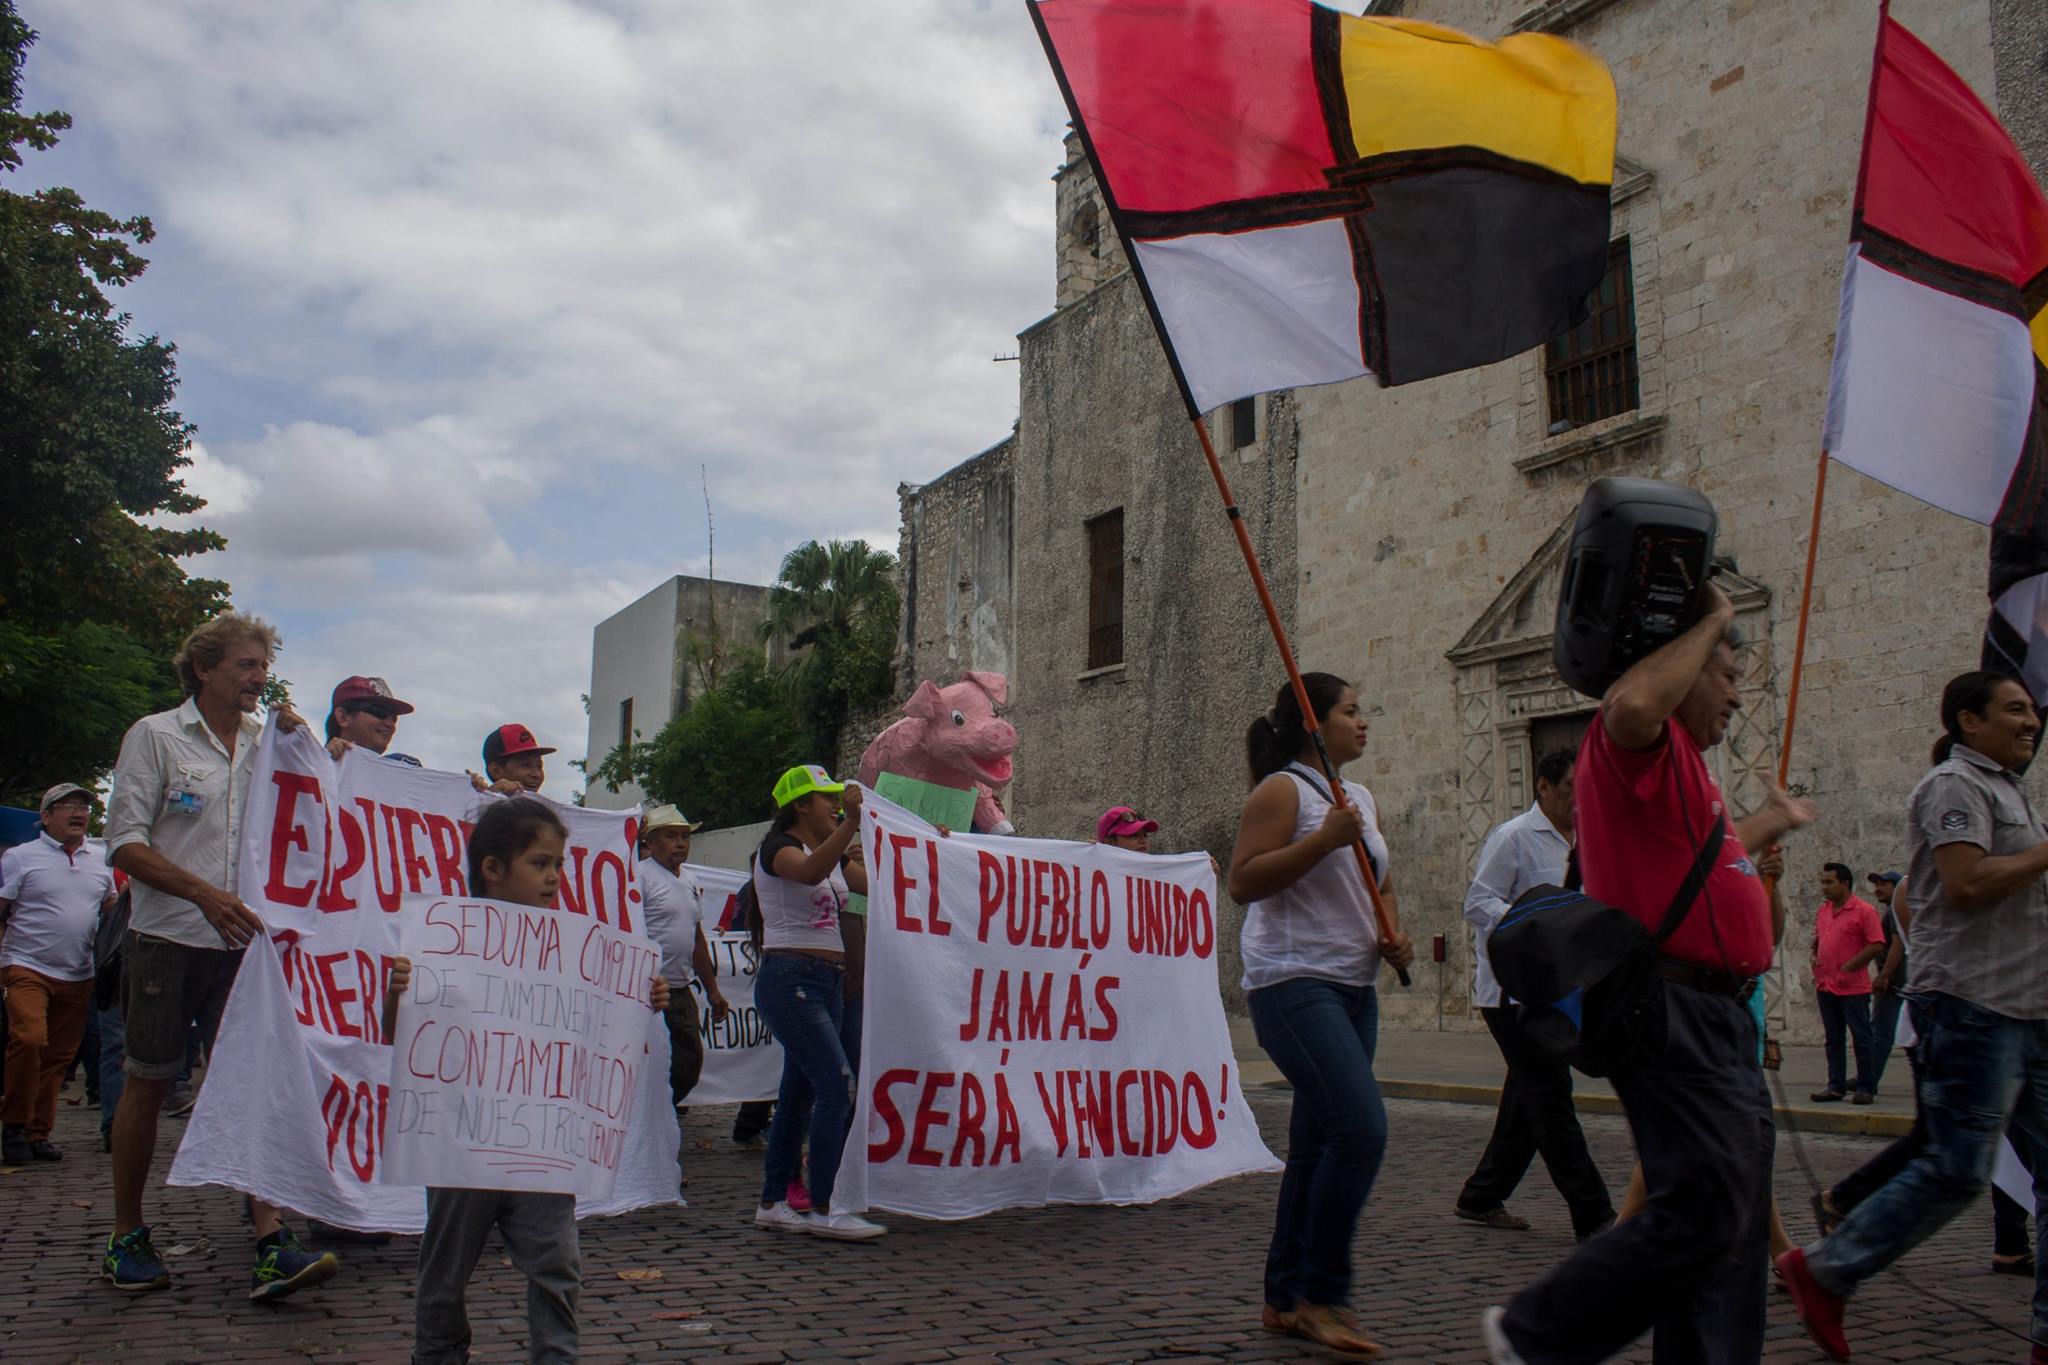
(284, 1267)
(132, 1263)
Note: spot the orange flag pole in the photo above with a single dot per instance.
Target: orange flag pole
(1820, 486)
(1381, 918)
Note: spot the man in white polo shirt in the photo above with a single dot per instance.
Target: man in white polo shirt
(674, 906)
(51, 893)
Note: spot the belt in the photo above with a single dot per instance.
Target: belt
(1705, 978)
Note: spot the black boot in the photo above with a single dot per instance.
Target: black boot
(14, 1145)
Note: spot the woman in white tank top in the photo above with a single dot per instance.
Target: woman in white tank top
(1311, 951)
(799, 989)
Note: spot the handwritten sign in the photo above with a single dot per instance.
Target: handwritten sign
(519, 1049)
(1055, 1031)
(742, 1060)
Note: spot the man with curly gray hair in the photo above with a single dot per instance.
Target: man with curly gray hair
(174, 826)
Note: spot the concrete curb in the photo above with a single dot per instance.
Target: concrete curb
(1840, 1122)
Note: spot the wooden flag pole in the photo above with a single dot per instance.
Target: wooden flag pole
(1381, 918)
(1820, 488)
(1383, 922)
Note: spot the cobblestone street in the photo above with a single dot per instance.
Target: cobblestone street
(1177, 1281)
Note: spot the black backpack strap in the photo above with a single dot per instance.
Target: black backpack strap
(1695, 880)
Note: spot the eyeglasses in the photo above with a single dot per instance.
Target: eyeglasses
(71, 803)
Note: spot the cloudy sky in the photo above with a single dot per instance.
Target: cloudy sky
(466, 292)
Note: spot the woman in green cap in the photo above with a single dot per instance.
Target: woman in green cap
(800, 990)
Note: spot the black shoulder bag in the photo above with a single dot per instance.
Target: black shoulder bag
(1592, 966)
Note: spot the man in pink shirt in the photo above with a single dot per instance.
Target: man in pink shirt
(1847, 938)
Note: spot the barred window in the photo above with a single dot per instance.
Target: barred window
(1591, 370)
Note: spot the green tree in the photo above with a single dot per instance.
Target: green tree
(836, 604)
(89, 596)
(719, 759)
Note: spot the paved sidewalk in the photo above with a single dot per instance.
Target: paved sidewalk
(1465, 1068)
(1175, 1281)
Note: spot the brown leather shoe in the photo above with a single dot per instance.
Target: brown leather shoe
(1276, 1319)
(1496, 1217)
(1333, 1329)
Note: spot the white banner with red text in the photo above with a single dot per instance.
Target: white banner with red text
(742, 1060)
(1046, 1028)
(297, 1094)
(517, 1049)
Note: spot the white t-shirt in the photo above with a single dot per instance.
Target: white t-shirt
(57, 898)
(1322, 926)
(674, 906)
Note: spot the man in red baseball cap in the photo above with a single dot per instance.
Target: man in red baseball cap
(512, 761)
(363, 713)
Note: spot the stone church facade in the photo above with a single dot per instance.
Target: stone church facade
(1413, 536)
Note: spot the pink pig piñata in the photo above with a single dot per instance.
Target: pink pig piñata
(951, 737)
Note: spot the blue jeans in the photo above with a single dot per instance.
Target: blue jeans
(1977, 1069)
(113, 1076)
(800, 1001)
(1850, 1014)
(1321, 1035)
(1884, 1032)
(852, 1013)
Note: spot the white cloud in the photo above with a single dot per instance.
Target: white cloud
(469, 261)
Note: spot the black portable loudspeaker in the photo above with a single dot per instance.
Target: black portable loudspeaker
(1634, 572)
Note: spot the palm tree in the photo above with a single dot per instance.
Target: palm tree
(830, 590)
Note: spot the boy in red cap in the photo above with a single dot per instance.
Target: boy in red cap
(512, 762)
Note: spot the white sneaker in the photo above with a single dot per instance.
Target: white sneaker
(779, 1218)
(1498, 1346)
(841, 1227)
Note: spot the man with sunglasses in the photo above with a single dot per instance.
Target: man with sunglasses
(364, 714)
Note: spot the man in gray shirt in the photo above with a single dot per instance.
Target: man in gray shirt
(1977, 880)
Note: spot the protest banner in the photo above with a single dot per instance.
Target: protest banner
(1055, 1032)
(742, 1060)
(516, 1050)
(297, 1091)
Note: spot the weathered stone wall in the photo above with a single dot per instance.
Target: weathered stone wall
(1102, 427)
(954, 569)
(1425, 510)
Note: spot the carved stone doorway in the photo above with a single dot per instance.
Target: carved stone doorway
(1510, 699)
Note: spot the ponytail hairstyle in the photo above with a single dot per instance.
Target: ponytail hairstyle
(1275, 739)
(505, 830)
(1965, 692)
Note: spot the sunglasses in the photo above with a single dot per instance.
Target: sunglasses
(374, 708)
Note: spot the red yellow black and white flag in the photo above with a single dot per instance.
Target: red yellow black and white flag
(1311, 196)
(1939, 384)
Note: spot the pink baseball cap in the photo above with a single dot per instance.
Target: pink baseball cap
(1118, 821)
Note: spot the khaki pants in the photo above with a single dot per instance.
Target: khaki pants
(45, 1021)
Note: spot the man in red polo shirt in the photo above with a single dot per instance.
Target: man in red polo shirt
(1692, 1265)
(1847, 938)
